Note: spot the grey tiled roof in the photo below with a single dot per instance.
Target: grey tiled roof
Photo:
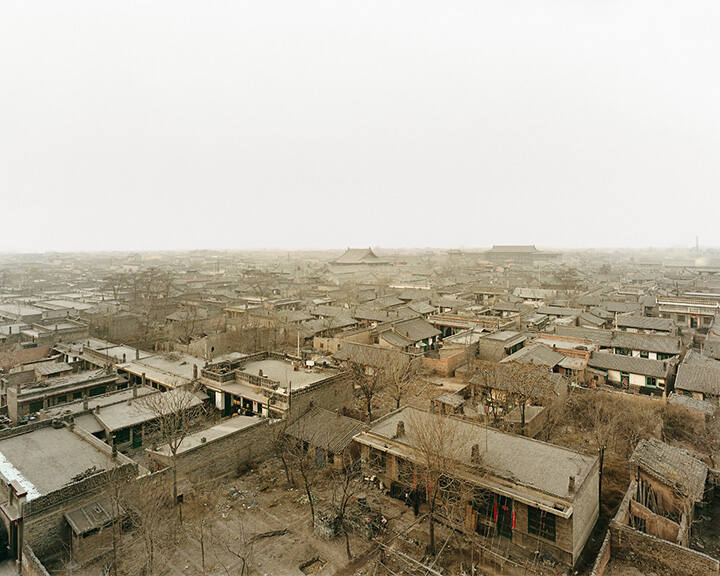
(630, 340)
(673, 466)
(692, 403)
(629, 364)
(704, 378)
(536, 354)
(325, 429)
(646, 323)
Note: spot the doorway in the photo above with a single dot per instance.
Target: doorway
(504, 519)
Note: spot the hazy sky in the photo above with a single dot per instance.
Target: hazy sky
(303, 123)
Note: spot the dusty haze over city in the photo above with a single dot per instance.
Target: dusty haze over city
(359, 288)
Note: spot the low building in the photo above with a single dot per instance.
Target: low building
(48, 471)
(700, 380)
(25, 399)
(413, 334)
(535, 495)
(498, 345)
(653, 346)
(630, 373)
(645, 324)
(327, 435)
(272, 384)
(163, 371)
(218, 451)
(670, 483)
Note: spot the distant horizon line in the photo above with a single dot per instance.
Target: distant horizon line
(477, 248)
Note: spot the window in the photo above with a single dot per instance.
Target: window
(651, 381)
(483, 502)
(449, 488)
(541, 523)
(377, 461)
(644, 354)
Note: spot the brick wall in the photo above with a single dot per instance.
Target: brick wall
(222, 457)
(652, 553)
(661, 556)
(331, 394)
(31, 566)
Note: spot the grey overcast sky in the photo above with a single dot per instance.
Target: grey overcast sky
(170, 124)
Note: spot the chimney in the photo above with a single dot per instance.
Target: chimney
(194, 371)
(114, 448)
(475, 454)
(143, 380)
(85, 402)
(135, 391)
(571, 484)
(124, 357)
(260, 373)
(10, 329)
(97, 408)
(137, 354)
(400, 431)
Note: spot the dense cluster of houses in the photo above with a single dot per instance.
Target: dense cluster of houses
(88, 368)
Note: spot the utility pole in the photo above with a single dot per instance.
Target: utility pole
(601, 454)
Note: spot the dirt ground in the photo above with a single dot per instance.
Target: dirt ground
(258, 524)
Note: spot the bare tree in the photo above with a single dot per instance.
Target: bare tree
(401, 372)
(175, 413)
(487, 386)
(441, 443)
(368, 378)
(301, 458)
(197, 525)
(527, 384)
(280, 447)
(346, 484)
(149, 510)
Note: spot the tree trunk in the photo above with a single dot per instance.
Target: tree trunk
(522, 419)
(431, 520)
(347, 544)
(309, 494)
(368, 399)
(290, 481)
(202, 546)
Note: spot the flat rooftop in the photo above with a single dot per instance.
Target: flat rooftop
(221, 430)
(106, 400)
(47, 459)
(284, 373)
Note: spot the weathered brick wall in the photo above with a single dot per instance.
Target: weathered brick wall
(586, 508)
(603, 558)
(445, 366)
(560, 549)
(31, 566)
(223, 457)
(331, 394)
(661, 556)
(46, 529)
(29, 427)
